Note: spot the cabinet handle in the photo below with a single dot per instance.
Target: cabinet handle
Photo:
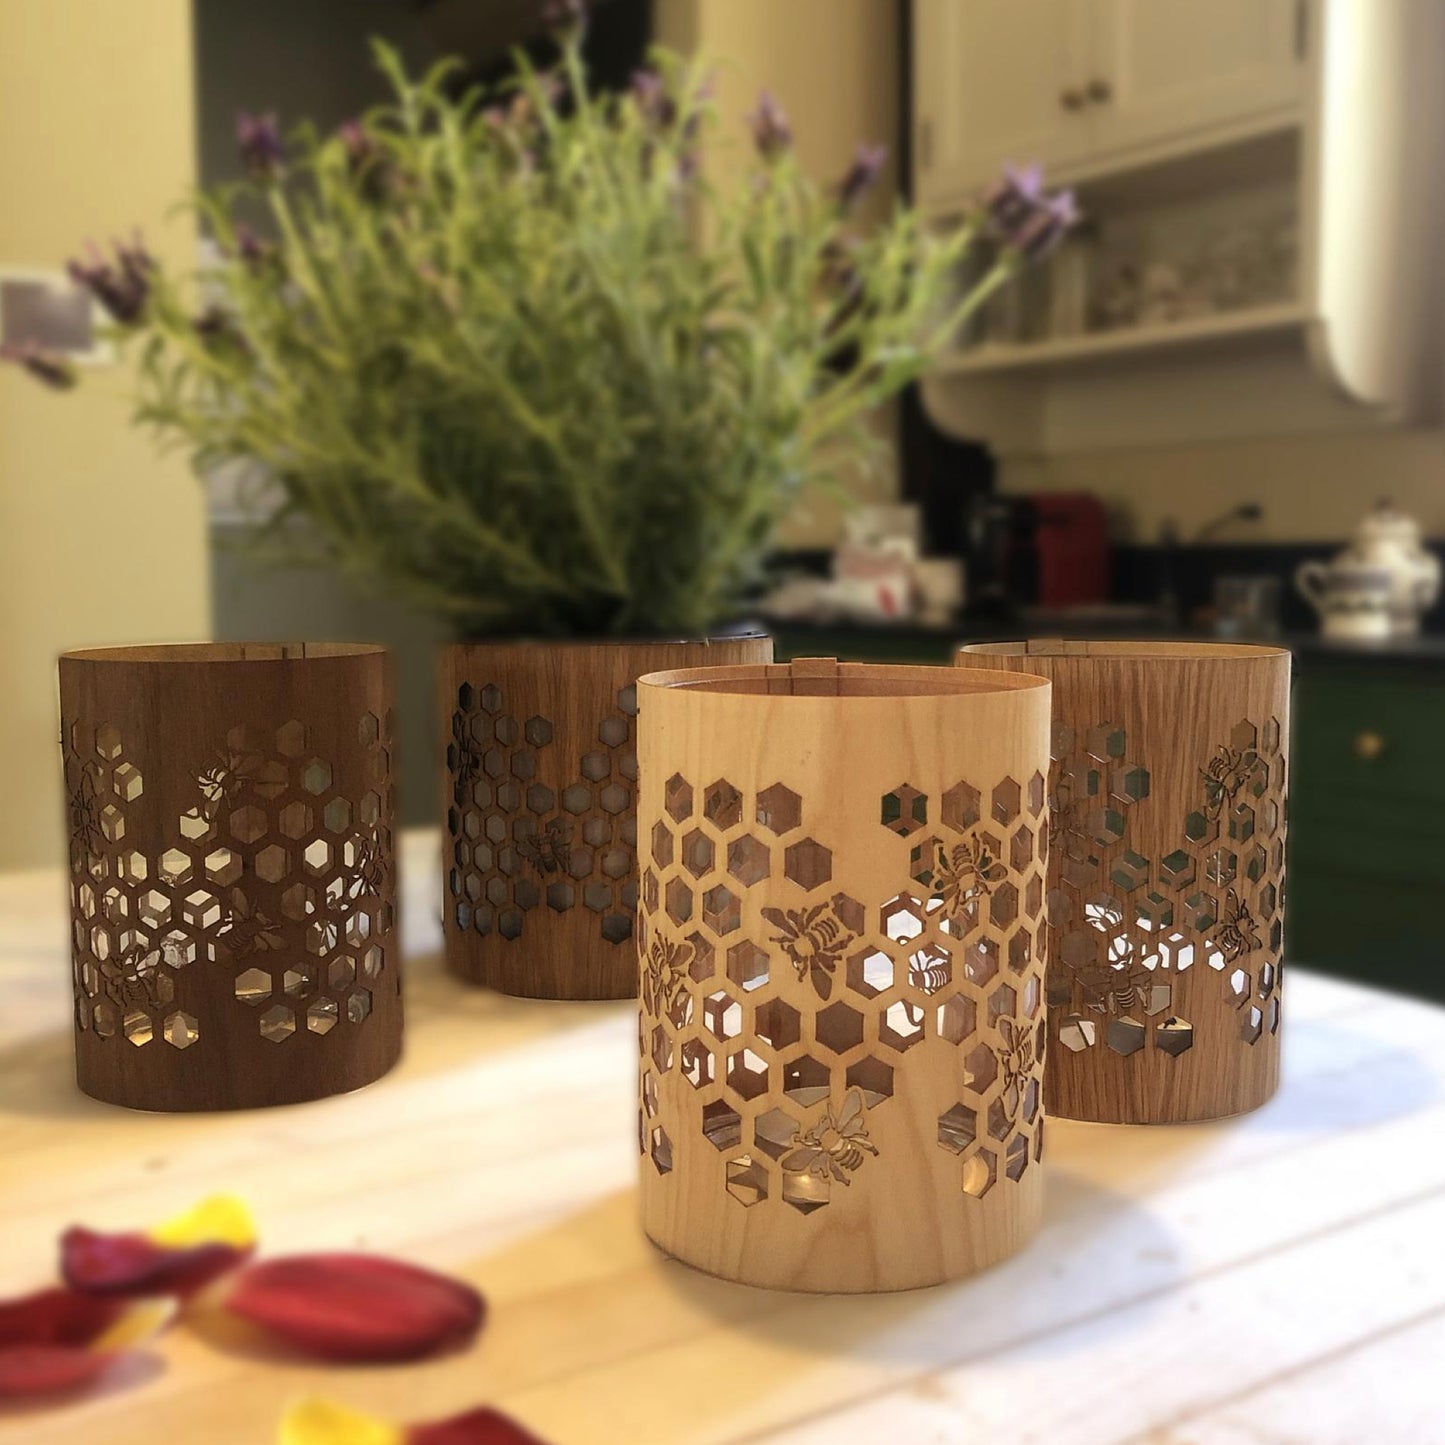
(1369, 745)
(1100, 91)
(1073, 99)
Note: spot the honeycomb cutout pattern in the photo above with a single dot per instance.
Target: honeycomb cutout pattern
(518, 845)
(1132, 935)
(791, 1039)
(271, 873)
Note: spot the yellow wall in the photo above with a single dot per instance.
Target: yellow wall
(100, 541)
(834, 66)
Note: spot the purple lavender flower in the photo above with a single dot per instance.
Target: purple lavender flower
(1043, 231)
(216, 328)
(1010, 200)
(772, 134)
(123, 286)
(368, 164)
(1024, 215)
(262, 150)
(255, 251)
(654, 104)
(565, 16)
(862, 175)
(51, 368)
(359, 146)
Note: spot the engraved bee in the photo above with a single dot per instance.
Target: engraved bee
(1016, 1061)
(929, 970)
(1066, 808)
(224, 778)
(84, 809)
(547, 851)
(664, 983)
(965, 872)
(1237, 928)
(366, 868)
(814, 939)
(1228, 771)
(1114, 988)
(835, 1145)
(134, 979)
(246, 929)
(465, 760)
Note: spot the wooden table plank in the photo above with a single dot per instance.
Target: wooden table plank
(1163, 1358)
(1337, 1400)
(496, 1151)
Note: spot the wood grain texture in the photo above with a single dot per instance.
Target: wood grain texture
(1154, 1255)
(842, 1009)
(231, 872)
(1166, 878)
(539, 784)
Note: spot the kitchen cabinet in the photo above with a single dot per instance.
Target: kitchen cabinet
(997, 80)
(1263, 197)
(1366, 886)
(1161, 70)
(1069, 83)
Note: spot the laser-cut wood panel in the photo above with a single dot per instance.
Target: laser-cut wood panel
(1166, 881)
(541, 822)
(841, 970)
(231, 866)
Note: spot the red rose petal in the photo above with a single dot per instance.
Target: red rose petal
(476, 1427)
(57, 1339)
(134, 1264)
(357, 1306)
(45, 1369)
(56, 1317)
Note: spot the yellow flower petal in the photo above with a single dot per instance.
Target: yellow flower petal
(139, 1323)
(323, 1422)
(221, 1219)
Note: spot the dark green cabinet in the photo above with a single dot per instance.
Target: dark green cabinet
(1366, 888)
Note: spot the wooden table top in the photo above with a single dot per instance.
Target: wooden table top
(1275, 1279)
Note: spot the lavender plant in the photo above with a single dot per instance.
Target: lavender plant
(513, 356)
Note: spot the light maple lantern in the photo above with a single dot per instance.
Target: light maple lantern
(841, 970)
(230, 826)
(1166, 879)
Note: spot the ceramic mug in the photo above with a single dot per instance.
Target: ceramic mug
(1353, 600)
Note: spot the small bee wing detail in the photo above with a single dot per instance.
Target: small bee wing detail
(804, 1160)
(850, 1116)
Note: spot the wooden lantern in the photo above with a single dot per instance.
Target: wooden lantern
(1166, 880)
(541, 768)
(230, 829)
(841, 969)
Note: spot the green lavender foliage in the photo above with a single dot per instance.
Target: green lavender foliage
(514, 358)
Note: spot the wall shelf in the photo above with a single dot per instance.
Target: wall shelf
(1068, 351)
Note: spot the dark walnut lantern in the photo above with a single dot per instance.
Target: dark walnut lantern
(540, 779)
(1166, 880)
(841, 944)
(231, 872)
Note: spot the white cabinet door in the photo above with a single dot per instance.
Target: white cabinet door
(1160, 70)
(996, 81)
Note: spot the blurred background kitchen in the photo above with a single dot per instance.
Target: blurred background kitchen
(1219, 411)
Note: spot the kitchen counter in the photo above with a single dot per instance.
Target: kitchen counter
(915, 642)
(1265, 1278)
